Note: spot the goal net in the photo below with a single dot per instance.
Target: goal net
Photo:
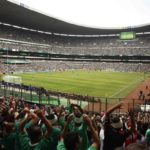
(12, 79)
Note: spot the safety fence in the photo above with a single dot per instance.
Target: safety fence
(45, 97)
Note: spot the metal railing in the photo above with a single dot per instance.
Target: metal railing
(42, 96)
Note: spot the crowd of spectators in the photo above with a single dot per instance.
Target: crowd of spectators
(25, 126)
(19, 39)
(44, 65)
(36, 127)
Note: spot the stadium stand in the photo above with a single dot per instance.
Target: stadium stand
(21, 40)
(25, 125)
(43, 66)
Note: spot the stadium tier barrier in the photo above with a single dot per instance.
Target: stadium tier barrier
(41, 96)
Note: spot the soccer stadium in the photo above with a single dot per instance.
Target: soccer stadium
(66, 85)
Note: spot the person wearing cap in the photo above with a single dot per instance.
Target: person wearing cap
(114, 135)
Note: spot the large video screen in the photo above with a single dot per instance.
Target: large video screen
(127, 35)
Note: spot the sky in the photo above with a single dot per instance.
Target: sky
(95, 13)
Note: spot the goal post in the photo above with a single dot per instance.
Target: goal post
(12, 79)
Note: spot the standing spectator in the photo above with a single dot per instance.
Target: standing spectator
(147, 136)
(33, 139)
(114, 135)
(72, 140)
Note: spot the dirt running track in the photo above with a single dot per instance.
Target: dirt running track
(127, 101)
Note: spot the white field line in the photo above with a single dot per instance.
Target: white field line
(122, 89)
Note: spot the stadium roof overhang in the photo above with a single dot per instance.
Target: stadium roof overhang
(20, 15)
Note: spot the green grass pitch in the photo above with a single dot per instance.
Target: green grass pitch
(94, 83)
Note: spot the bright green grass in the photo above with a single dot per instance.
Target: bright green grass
(93, 83)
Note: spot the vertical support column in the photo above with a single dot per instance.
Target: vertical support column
(106, 104)
(100, 106)
(81, 103)
(48, 98)
(93, 103)
(144, 105)
(88, 106)
(58, 99)
(128, 107)
(39, 96)
(30, 94)
(93, 106)
(133, 103)
(12, 90)
(5, 90)
(21, 91)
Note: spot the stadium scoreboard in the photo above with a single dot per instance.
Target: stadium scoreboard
(127, 35)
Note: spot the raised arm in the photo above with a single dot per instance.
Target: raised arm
(30, 117)
(46, 122)
(65, 130)
(110, 110)
(94, 133)
(23, 123)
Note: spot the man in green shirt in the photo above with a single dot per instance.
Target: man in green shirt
(147, 136)
(33, 139)
(72, 140)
